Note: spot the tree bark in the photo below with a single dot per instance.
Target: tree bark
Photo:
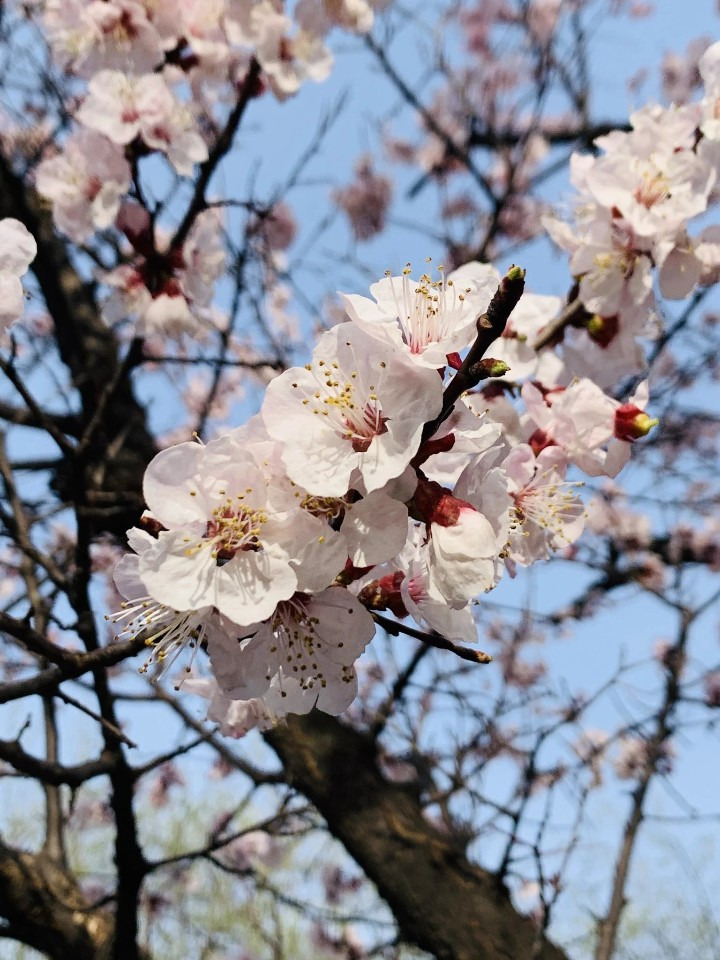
(441, 902)
(44, 908)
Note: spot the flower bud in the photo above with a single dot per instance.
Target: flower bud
(631, 422)
(490, 367)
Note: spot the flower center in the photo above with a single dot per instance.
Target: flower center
(298, 646)
(355, 412)
(122, 31)
(286, 50)
(326, 508)
(548, 502)
(428, 312)
(653, 189)
(92, 188)
(233, 528)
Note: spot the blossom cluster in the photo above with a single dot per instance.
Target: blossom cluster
(362, 488)
(631, 223)
(160, 78)
(367, 483)
(359, 488)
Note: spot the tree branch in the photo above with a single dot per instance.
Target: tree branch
(46, 910)
(442, 902)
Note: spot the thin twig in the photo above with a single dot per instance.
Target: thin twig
(110, 727)
(432, 639)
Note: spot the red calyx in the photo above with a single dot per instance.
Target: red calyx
(384, 594)
(435, 504)
(540, 440)
(631, 422)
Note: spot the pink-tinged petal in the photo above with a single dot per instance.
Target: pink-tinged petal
(127, 577)
(171, 488)
(552, 458)
(337, 697)
(318, 553)
(178, 573)
(250, 586)
(344, 625)
(375, 529)
(618, 455)
(286, 695)
(242, 667)
(679, 274)
(463, 557)
(520, 465)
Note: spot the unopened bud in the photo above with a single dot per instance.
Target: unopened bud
(515, 273)
(503, 302)
(489, 367)
(631, 422)
(494, 368)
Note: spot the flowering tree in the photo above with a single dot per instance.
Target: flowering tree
(300, 486)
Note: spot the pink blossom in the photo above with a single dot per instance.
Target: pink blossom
(287, 61)
(635, 760)
(126, 38)
(407, 589)
(681, 74)
(366, 200)
(590, 748)
(222, 542)
(467, 533)
(278, 226)
(182, 281)
(311, 640)
(547, 513)
(515, 347)
(614, 266)
(85, 184)
(123, 107)
(356, 412)
(320, 16)
(235, 717)
(253, 849)
(630, 530)
(427, 319)
(117, 34)
(656, 194)
(582, 421)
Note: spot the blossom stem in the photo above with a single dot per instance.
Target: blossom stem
(432, 638)
(489, 327)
